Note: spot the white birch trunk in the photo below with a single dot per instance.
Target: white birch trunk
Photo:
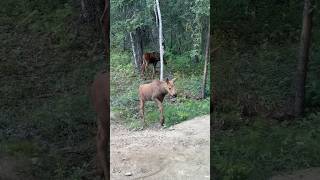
(133, 51)
(155, 12)
(160, 40)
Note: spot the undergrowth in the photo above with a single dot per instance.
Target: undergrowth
(47, 65)
(263, 148)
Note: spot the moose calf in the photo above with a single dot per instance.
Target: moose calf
(156, 91)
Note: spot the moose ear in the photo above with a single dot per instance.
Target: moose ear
(167, 80)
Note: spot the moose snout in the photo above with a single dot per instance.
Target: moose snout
(174, 95)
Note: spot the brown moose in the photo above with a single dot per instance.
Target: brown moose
(150, 58)
(100, 99)
(156, 91)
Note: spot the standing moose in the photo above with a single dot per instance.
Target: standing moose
(156, 91)
(150, 58)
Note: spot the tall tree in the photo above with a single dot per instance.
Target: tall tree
(303, 60)
(137, 45)
(134, 51)
(160, 40)
(204, 81)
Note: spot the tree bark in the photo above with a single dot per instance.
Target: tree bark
(124, 44)
(106, 30)
(134, 51)
(160, 40)
(213, 99)
(139, 46)
(103, 139)
(303, 60)
(156, 15)
(204, 81)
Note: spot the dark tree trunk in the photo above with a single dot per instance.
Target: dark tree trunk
(135, 60)
(139, 45)
(171, 40)
(103, 133)
(204, 81)
(90, 10)
(124, 44)
(301, 75)
(106, 30)
(213, 99)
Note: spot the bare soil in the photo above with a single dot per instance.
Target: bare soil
(179, 152)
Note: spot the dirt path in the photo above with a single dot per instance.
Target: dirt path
(179, 152)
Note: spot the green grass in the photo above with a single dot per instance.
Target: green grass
(262, 149)
(45, 79)
(124, 92)
(20, 148)
(256, 147)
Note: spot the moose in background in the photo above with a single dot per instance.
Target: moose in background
(150, 58)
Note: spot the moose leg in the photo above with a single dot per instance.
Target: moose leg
(146, 64)
(153, 70)
(160, 106)
(102, 150)
(142, 69)
(142, 112)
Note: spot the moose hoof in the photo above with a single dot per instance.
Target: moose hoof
(141, 128)
(144, 126)
(161, 124)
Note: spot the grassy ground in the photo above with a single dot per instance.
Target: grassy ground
(45, 112)
(265, 147)
(124, 91)
(260, 79)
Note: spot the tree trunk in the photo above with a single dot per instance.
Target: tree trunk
(124, 44)
(155, 42)
(156, 15)
(101, 144)
(204, 81)
(134, 51)
(171, 36)
(160, 40)
(305, 43)
(105, 20)
(213, 99)
(139, 46)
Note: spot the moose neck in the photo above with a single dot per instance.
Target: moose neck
(163, 90)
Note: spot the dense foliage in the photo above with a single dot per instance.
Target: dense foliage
(185, 25)
(49, 56)
(254, 75)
